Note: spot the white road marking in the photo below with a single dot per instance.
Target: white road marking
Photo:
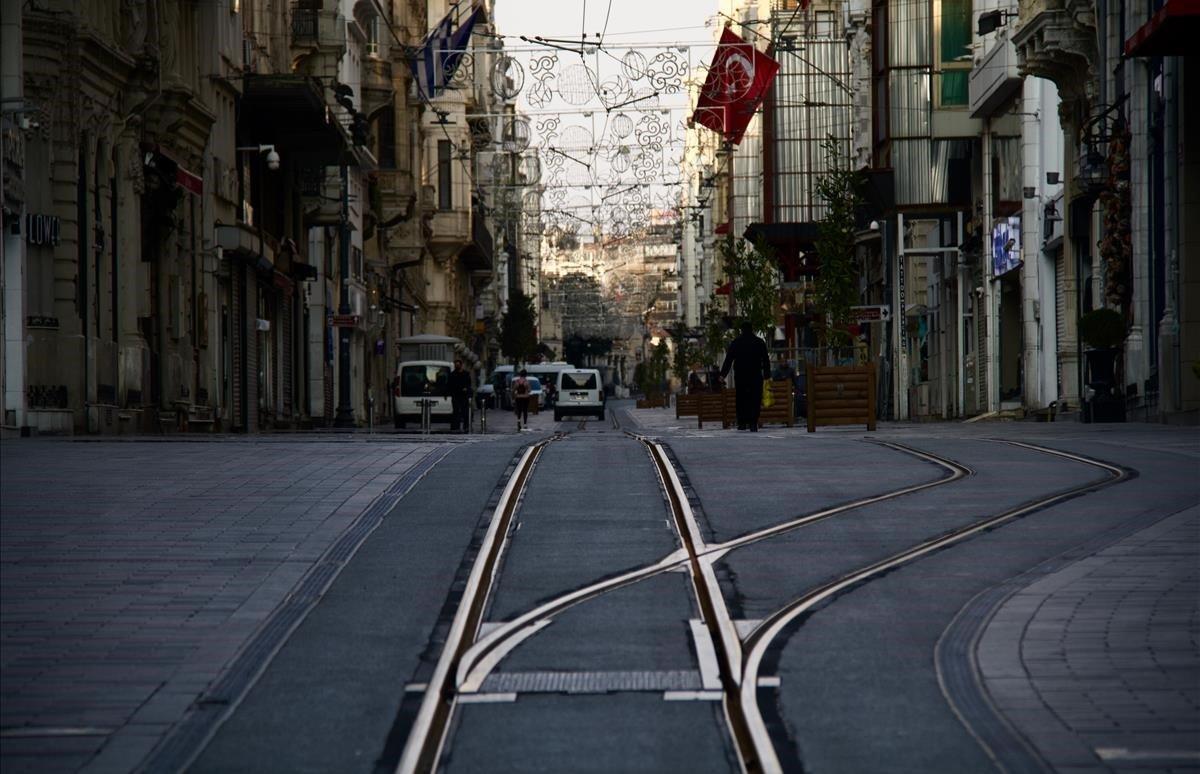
(693, 695)
(768, 681)
(710, 671)
(487, 698)
(416, 687)
(1125, 754)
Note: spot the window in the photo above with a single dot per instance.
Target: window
(578, 381)
(954, 52)
(445, 199)
(373, 36)
(356, 263)
(414, 379)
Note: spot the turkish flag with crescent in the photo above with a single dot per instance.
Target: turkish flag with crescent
(737, 81)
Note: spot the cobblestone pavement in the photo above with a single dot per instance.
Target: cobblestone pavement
(133, 572)
(1107, 648)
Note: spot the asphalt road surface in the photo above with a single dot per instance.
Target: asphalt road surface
(632, 594)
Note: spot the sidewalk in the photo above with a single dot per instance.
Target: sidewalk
(1096, 664)
(133, 573)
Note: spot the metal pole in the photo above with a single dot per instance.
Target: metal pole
(345, 411)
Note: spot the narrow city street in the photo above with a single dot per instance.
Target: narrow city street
(628, 594)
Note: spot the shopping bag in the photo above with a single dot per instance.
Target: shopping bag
(768, 399)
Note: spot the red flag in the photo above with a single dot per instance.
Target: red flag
(737, 81)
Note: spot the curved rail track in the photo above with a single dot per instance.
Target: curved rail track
(467, 658)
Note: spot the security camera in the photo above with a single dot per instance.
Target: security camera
(272, 160)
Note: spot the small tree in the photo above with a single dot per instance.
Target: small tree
(754, 271)
(518, 328)
(685, 353)
(717, 334)
(836, 289)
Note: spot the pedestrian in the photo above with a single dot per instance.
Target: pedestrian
(459, 387)
(747, 356)
(521, 392)
(695, 384)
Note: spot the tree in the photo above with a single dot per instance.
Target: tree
(717, 333)
(755, 275)
(686, 352)
(836, 287)
(518, 328)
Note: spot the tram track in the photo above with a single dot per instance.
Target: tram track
(468, 658)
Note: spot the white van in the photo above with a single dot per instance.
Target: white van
(579, 392)
(418, 380)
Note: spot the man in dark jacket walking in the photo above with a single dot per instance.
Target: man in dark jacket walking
(459, 387)
(747, 356)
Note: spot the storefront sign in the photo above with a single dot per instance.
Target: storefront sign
(345, 321)
(41, 229)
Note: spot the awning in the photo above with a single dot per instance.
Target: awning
(794, 244)
(722, 228)
(290, 112)
(1171, 31)
(243, 241)
(725, 290)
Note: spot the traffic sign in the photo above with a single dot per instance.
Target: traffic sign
(869, 314)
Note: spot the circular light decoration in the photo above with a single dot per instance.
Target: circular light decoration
(622, 125)
(530, 168)
(514, 136)
(620, 159)
(574, 138)
(531, 203)
(577, 84)
(578, 174)
(501, 168)
(614, 91)
(633, 65)
(508, 77)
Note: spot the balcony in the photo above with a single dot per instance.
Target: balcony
(995, 79)
(318, 40)
(397, 195)
(376, 85)
(1056, 40)
(451, 231)
(320, 196)
(478, 254)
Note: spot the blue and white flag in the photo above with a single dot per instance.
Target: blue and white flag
(441, 53)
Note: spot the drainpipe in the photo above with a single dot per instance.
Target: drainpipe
(1031, 242)
(1170, 370)
(985, 361)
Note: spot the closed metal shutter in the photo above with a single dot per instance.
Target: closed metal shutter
(285, 358)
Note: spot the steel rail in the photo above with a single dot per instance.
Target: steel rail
(478, 661)
(423, 747)
(713, 610)
(762, 637)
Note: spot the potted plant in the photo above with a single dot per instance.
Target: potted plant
(1103, 330)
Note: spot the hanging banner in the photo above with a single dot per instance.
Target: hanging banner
(737, 81)
(1006, 246)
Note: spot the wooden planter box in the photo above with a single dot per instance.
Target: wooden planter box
(841, 395)
(687, 406)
